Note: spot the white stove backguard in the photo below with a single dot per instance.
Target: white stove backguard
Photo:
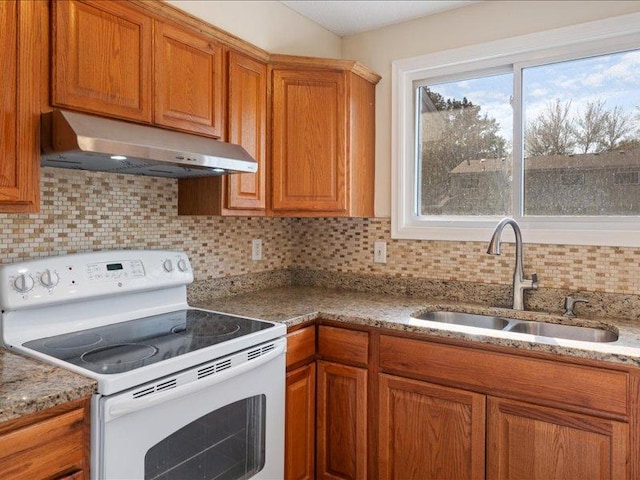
(70, 278)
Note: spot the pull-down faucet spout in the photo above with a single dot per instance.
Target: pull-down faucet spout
(520, 283)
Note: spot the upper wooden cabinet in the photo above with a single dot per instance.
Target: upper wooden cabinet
(243, 193)
(24, 40)
(322, 142)
(247, 100)
(102, 58)
(188, 81)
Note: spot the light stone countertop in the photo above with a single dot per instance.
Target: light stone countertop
(297, 305)
(29, 386)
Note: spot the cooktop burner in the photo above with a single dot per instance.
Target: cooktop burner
(125, 346)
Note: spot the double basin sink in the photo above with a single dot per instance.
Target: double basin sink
(542, 329)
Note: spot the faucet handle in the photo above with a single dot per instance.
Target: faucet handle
(534, 281)
(569, 303)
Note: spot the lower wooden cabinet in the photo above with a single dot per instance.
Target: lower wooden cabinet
(53, 444)
(529, 442)
(300, 424)
(392, 407)
(342, 421)
(429, 431)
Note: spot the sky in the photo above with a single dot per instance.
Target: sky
(613, 78)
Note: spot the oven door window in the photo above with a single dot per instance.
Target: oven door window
(226, 444)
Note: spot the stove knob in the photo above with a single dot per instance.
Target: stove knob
(168, 265)
(182, 265)
(49, 278)
(23, 283)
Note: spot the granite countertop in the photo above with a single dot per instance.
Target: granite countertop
(297, 305)
(29, 386)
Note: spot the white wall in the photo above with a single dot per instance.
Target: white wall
(269, 25)
(472, 24)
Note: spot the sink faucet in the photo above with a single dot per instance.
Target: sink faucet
(520, 284)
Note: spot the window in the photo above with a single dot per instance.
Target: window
(544, 128)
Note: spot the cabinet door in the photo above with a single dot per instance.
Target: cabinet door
(188, 81)
(342, 422)
(300, 423)
(101, 58)
(309, 135)
(51, 448)
(23, 36)
(248, 127)
(430, 431)
(538, 443)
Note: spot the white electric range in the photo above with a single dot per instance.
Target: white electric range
(182, 392)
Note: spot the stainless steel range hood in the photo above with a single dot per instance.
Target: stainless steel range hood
(85, 142)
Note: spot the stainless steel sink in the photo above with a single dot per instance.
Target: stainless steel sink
(541, 329)
(466, 319)
(569, 332)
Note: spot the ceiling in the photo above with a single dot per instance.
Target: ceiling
(355, 16)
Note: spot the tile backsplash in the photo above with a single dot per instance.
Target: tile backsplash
(346, 246)
(83, 211)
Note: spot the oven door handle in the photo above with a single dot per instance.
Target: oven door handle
(124, 406)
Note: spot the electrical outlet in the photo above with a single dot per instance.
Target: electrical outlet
(256, 249)
(380, 252)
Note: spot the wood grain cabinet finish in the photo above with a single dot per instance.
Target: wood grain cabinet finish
(342, 422)
(102, 59)
(429, 431)
(245, 193)
(300, 423)
(52, 444)
(188, 81)
(529, 442)
(343, 345)
(247, 104)
(322, 143)
(23, 36)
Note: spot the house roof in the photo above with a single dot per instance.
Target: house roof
(614, 158)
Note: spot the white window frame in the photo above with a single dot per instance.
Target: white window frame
(593, 38)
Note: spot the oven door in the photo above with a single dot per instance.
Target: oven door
(222, 420)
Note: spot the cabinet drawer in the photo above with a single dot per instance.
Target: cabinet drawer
(47, 449)
(591, 388)
(343, 345)
(301, 345)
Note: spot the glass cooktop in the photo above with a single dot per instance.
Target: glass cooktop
(125, 346)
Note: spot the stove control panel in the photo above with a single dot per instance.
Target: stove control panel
(64, 278)
(98, 272)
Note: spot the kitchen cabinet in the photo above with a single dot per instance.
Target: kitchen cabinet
(342, 421)
(322, 140)
(188, 80)
(553, 419)
(300, 408)
(300, 423)
(50, 444)
(430, 431)
(244, 193)
(342, 403)
(24, 37)
(527, 441)
(102, 55)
